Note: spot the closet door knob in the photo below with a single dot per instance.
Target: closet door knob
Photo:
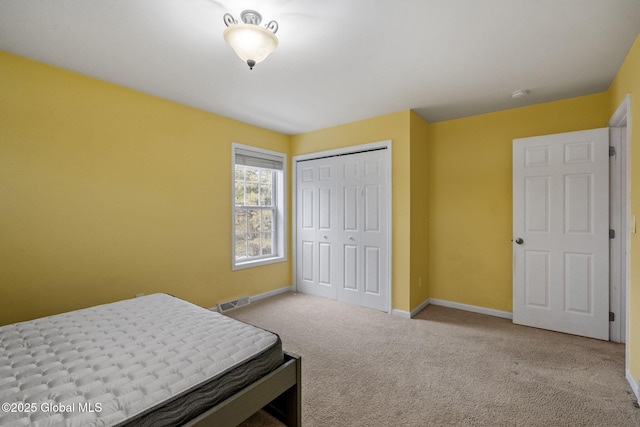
(519, 241)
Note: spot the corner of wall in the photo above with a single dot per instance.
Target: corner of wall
(130, 186)
(419, 220)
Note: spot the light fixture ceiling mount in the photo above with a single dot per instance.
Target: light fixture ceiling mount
(251, 42)
(520, 93)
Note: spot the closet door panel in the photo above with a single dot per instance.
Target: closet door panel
(343, 228)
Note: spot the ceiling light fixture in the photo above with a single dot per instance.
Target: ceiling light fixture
(516, 94)
(251, 42)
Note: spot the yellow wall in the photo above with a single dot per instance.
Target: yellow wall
(419, 167)
(394, 127)
(626, 82)
(107, 192)
(470, 195)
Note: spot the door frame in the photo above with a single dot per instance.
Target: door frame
(353, 149)
(620, 130)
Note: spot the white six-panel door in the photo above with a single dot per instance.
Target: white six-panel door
(317, 243)
(342, 228)
(561, 232)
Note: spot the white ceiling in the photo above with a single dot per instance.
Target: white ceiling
(338, 60)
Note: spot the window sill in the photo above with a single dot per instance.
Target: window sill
(258, 262)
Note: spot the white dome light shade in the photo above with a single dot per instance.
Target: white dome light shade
(251, 43)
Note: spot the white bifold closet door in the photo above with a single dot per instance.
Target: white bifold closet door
(342, 242)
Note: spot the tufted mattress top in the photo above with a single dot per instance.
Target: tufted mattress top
(113, 363)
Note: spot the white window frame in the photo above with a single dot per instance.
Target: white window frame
(280, 219)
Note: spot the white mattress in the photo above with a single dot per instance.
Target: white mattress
(105, 364)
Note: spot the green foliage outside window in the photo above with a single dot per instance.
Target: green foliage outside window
(254, 212)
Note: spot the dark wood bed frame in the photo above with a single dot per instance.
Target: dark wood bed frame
(279, 393)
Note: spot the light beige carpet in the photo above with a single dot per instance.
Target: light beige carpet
(444, 367)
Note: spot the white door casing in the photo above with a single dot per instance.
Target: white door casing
(617, 245)
(561, 232)
(619, 220)
(342, 228)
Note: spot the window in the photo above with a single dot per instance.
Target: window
(258, 206)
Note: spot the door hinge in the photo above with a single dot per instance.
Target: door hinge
(612, 234)
(612, 316)
(612, 151)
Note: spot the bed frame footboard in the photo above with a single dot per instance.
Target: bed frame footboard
(279, 393)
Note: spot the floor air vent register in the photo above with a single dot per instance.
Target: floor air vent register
(230, 305)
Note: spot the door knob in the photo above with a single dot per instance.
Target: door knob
(519, 241)
(324, 236)
(351, 238)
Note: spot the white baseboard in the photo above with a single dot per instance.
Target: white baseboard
(263, 295)
(406, 314)
(473, 308)
(451, 304)
(401, 313)
(634, 385)
(271, 293)
(419, 308)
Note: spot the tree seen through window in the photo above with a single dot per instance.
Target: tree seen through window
(254, 212)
